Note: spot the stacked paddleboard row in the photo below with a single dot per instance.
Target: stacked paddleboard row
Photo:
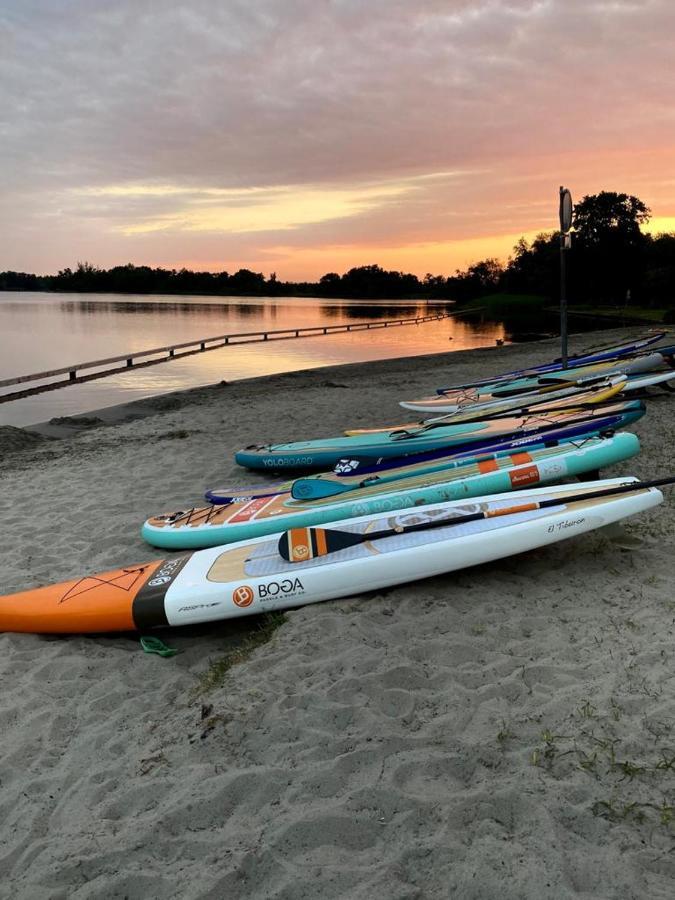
(400, 503)
(454, 402)
(546, 399)
(615, 352)
(353, 472)
(213, 525)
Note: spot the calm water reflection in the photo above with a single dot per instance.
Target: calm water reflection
(46, 331)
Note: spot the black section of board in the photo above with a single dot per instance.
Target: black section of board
(148, 606)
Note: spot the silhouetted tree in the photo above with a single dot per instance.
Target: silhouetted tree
(598, 217)
(22, 281)
(609, 250)
(246, 282)
(659, 286)
(534, 268)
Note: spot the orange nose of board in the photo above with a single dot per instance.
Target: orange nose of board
(94, 603)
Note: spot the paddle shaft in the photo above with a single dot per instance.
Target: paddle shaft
(481, 415)
(302, 544)
(521, 507)
(593, 409)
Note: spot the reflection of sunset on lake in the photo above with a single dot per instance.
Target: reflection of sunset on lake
(44, 331)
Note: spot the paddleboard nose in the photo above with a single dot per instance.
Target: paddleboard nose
(94, 603)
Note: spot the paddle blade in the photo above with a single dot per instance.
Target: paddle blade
(317, 489)
(299, 545)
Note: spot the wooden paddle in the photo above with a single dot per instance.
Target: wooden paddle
(302, 544)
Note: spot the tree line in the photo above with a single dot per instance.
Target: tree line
(370, 282)
(611, 262)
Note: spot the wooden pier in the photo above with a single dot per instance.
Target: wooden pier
(142, 358)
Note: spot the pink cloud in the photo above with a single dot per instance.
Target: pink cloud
(511, 98)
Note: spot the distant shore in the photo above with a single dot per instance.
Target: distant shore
(497, 732)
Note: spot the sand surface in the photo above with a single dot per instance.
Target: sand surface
(506, 731)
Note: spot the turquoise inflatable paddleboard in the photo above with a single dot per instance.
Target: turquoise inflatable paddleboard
(323, 454)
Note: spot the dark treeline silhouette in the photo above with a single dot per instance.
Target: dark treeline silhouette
(611, 262)
(369, 282)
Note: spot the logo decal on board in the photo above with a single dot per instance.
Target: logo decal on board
(167, 571)
(242, 596)
(345, 465)
(525, 475)
(161, 579)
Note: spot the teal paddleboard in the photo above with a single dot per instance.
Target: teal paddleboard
(323, 454)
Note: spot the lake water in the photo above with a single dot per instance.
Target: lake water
(39, 332)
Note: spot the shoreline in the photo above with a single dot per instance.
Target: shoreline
(482, 734)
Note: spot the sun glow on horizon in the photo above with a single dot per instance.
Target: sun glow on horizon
(183, 225)
(437, 257)
(239, 211)
(660, 225)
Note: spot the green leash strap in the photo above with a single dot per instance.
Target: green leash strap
(154, 645)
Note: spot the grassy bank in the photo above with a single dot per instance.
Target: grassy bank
(632, 313)
(499, 305)
(535, 312)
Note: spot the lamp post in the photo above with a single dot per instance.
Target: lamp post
(565, 244)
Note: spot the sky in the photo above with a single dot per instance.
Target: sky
(308, 136)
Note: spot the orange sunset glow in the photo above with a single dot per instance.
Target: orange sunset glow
(305, 138)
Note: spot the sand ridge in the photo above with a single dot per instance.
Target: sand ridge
(506, 731)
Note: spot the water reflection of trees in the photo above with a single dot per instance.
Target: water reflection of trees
(381, 310)
(129, 307)
(265, 307)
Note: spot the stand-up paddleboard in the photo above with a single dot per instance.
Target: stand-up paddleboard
(613, 351)
(322, 454)
(189, 529)
(573, 366)
(253, 576)
(443, 404)
(449, 399)
(651, 379)
(628, 365)
(544, 401)
(501, 387)
(580, 359)
(351, 474)
(496, 392)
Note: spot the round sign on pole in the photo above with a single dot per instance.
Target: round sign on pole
(565, 210)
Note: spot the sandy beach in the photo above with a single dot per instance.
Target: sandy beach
(506, 731)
